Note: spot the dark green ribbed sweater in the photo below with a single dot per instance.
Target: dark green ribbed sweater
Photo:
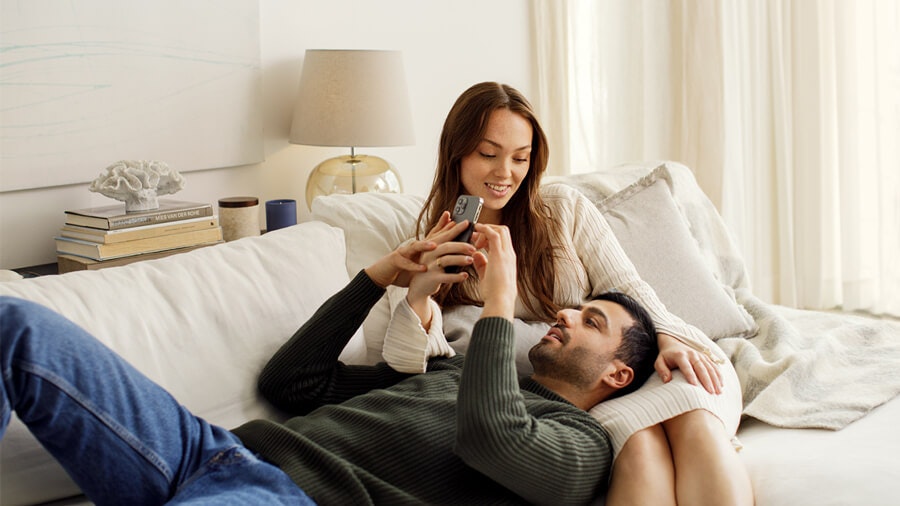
(454, 435)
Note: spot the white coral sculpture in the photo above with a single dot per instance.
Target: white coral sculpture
(138, 183)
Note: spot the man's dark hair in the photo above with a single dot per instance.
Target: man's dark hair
(639, 347)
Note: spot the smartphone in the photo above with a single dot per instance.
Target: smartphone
(468, 207)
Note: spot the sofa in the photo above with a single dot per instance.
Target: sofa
(820, 388)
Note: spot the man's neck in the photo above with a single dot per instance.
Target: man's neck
(582, 398)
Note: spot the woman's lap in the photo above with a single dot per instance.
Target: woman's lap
(656, 402)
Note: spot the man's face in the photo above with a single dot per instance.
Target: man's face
(582, 344)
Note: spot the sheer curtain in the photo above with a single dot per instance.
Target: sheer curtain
(787, 111)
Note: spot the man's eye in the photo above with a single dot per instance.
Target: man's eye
(592, 323)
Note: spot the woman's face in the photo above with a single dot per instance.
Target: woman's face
(499, 164)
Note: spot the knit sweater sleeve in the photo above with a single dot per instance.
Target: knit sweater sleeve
(608, 267)
(553, 455)
(407, 345)
(305, 372)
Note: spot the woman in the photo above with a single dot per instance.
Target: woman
(492, 146)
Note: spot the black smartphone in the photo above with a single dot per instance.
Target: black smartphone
(468, 207)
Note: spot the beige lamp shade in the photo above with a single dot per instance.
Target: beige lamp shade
(352, 98)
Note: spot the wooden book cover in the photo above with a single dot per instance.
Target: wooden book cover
(103, 236)
(114, 217)
(65, 245)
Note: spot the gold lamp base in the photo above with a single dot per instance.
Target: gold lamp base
(352, 174)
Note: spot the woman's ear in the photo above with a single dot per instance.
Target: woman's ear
(619, 378)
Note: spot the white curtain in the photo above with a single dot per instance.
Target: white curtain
(787, 111)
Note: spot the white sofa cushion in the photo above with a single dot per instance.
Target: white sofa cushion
(201, 324)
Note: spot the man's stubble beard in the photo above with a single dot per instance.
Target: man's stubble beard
(573, 365)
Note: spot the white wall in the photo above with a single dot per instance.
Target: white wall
(447, 46)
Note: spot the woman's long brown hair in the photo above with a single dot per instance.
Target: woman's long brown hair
(525, 214)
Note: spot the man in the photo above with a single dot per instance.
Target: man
(360, 434)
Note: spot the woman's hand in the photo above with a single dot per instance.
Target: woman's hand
(423, 284)
(698, 368)
(399, 266)
(447, 252)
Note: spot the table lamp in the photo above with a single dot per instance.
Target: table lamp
(352, 98)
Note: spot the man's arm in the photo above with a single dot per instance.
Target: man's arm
(305, 373)
(558, 456)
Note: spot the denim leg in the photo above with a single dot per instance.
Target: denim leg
(238, 477)
(122, 438)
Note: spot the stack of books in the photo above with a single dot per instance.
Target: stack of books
(98, 237)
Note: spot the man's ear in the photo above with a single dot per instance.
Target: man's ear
(621, 377)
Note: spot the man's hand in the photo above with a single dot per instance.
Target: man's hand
(397, 266)
(496, 270)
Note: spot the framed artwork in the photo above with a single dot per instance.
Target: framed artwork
(85, 84)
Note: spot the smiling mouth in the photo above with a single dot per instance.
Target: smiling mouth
(499, 188)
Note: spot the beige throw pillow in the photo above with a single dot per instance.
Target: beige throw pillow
(646, 221)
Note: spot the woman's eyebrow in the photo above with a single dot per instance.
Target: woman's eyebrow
(498, 145)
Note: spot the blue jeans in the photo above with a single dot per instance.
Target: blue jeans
(122, 438)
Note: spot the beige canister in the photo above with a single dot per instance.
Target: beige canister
(239, 217)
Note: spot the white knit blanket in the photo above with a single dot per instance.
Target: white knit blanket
(814, 369)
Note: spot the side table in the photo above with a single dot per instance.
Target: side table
(35, 271)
